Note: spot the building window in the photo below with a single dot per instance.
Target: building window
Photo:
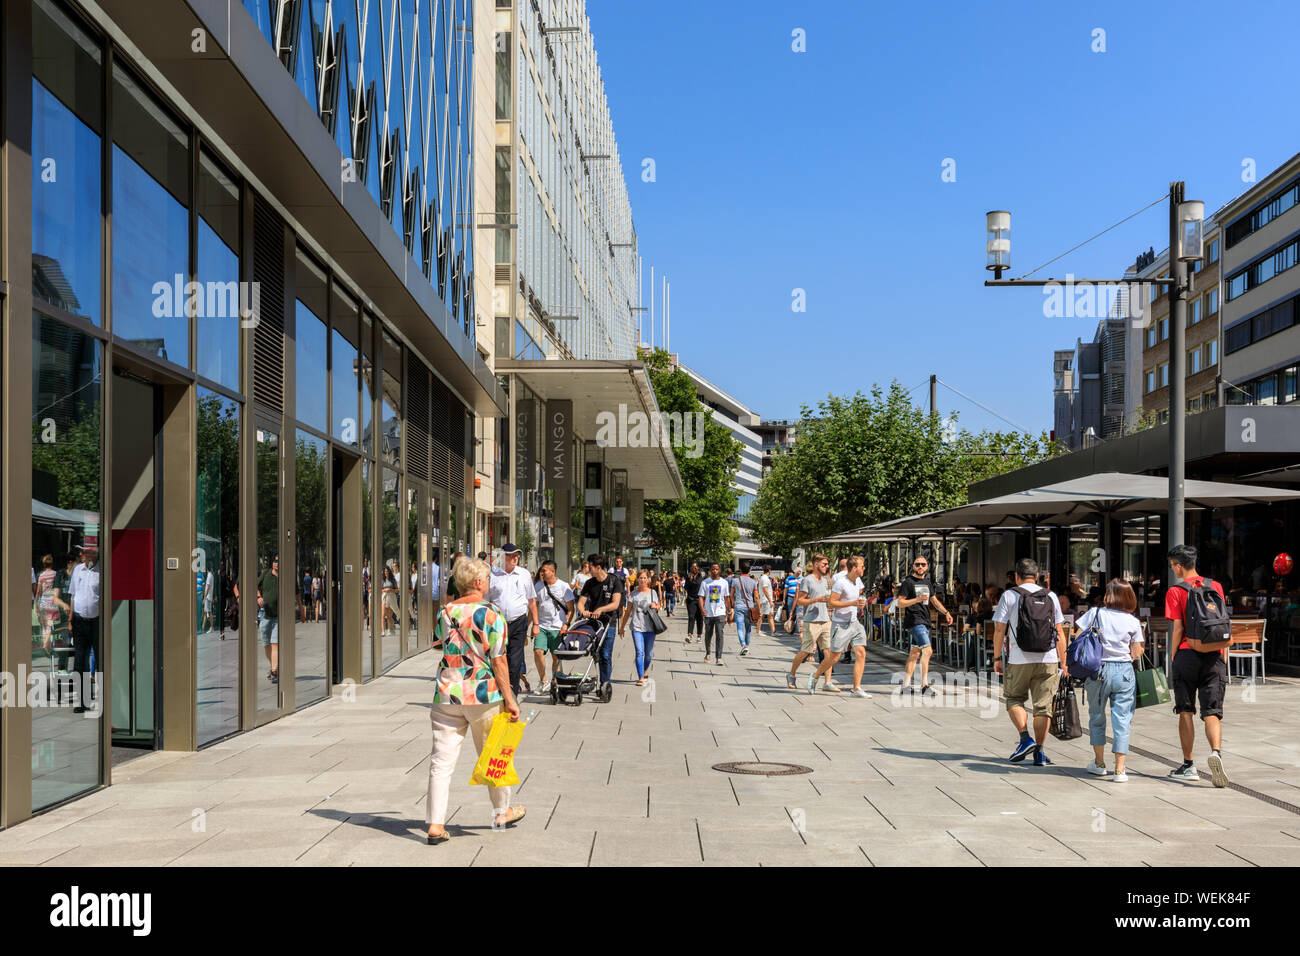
(1151, 380)
(67, 203)
(1211, 302)
(216, 328)
(1194, 404)
(1266, 390)
(1211, 353)
(1193, 361)
(1164, 374)
(151, 223)
(1289, 384)
(1263, 214)
(1164, 328)
(1213, 255)
(311, 347)
(1194, 312)
(1263, 269)
(1151, 336)
(504, 85)
(66, 435)
(1164, 416)
(1209, 401)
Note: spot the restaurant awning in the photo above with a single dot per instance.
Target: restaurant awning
(1111, 494)
(616, 387)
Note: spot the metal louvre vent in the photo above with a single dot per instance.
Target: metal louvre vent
(417, 418)
(268, 334)
(456, 432)
(440, 452)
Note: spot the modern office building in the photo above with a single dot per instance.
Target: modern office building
(777, 438)
(743, 425)
(239, 362)
(1088, 390)
(1261, 291)
(1148, 401)
(565, 298)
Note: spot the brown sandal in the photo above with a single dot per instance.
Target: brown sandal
(510, 820)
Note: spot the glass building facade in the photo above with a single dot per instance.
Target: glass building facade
(251, 404)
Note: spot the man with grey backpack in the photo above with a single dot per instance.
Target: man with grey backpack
(1201, 631)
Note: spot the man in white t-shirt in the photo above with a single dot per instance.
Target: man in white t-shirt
(846, 630)
(766, 604)
(1031, 675)
(715, 608)
(554, 612)
(511, 590)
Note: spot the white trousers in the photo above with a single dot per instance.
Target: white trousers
(450, 722)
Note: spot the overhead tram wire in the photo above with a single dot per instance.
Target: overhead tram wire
(973, 401)
(1086, 241)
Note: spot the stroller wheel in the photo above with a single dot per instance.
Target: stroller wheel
(577, 699)
(555, 693)
(606, 692)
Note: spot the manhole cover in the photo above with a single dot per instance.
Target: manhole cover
(761, 768)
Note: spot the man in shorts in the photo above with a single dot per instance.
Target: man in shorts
(1193, 672)
(554, 612)
(268, 599)
(1031, 676)
(915, 595)
(846, 630)
(814, 593)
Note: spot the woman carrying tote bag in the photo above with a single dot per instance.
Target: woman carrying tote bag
(1116, 683)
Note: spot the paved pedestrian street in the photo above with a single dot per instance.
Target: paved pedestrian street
(894, 781)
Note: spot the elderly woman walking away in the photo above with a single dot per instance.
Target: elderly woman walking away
(472, 686)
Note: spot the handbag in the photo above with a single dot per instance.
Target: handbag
(1065, 713)
(789, 623)
(656, 621)
(1083, 656)
(1152, 686)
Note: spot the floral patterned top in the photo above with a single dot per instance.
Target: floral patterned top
(471, 635)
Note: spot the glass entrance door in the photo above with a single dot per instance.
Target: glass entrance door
(133, 575)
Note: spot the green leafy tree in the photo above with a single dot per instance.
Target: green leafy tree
(700, 524)
(864, 459)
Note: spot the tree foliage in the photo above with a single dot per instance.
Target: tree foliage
(700, 524)
(865, 459)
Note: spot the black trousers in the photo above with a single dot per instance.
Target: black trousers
(694, 622)
(714, 626)
(516, 641)
(85, 631)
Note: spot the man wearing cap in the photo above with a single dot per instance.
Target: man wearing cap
(83, 588)
(512, 592)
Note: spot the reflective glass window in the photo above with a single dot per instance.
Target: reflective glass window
(67, 204)
(150, 224)
(224, 300)
(310, 346)
(344, 369)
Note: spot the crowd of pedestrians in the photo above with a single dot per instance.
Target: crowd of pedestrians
(494, 611)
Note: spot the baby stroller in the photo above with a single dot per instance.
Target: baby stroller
(584, 640)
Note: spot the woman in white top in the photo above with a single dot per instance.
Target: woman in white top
(1116, 683)
(582, 577)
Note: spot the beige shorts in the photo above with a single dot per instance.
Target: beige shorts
(1032, 683)
(815, 634)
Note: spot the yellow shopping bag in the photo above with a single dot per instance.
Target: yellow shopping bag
(496, 764)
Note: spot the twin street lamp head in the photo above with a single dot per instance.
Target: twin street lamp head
(1189, 239)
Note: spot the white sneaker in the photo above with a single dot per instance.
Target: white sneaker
(1120, 777)
(1096, 771)
(544, 687)
(859, 692)
(812, 683)
(1217, 774)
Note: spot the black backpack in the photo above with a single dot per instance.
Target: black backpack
(1206, 616)
(1035, 621)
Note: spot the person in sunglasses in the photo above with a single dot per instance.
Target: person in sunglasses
(914, 596)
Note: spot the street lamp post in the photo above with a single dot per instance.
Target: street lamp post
(1186, 224)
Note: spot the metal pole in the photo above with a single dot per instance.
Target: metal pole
(652, 308)
(934, 388)
(1177, 368)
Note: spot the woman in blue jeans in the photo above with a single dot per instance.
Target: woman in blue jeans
(639, 603)
(1116, 684)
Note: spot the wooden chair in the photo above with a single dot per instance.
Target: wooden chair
(1247, 643)
(986, 646)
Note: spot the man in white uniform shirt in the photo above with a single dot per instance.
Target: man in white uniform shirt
(512, 592)
(83, 587)
(1032, 676)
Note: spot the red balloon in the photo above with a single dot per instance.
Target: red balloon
(1283, 564)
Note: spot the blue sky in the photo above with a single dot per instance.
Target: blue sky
(821, 170)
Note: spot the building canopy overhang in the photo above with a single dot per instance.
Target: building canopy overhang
(615, 388)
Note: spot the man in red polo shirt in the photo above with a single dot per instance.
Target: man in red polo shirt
(1194, 672)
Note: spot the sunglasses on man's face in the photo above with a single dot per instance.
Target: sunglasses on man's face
(919, 564)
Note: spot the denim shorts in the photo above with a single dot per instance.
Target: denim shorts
(920, 635)
(269, 630)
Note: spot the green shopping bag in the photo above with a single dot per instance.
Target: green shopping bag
(1152, 687)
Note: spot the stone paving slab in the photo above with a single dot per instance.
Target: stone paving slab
(895, 781)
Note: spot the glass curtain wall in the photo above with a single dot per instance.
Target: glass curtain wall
(217, 318)
(311, 632)
(216, 560)
(390, 572)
